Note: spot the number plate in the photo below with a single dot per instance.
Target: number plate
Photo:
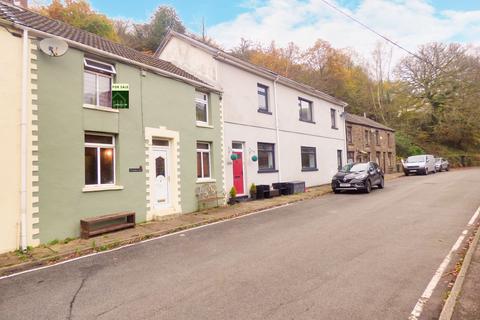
(413, 170)
(343, 185)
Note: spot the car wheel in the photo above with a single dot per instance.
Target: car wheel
(368, 187)
(336, 191)
(426, 171)
(407, 174)
(448, 168)
(381, 185)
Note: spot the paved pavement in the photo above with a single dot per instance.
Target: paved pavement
(468, 303)
(348, 256)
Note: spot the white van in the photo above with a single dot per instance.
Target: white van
(423, 164)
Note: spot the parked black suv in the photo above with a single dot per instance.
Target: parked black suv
(358, 177)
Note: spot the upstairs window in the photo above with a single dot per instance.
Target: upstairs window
(349, 135)
(367, 137)
(306, 112)
(262, 92)
(333, 118)
(97, 83)
(99, 159)
(201, 107)
(377, 137)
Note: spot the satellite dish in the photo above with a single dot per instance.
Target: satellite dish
(53, 47)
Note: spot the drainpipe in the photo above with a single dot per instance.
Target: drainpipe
(277, 130)
(23, 143)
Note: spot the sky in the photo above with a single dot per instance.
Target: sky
(407, 22)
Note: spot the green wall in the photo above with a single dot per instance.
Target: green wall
(154, 101)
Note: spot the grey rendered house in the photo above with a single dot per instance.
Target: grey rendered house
(90, 159)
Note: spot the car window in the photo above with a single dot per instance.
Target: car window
(414, 159)
(358, 167)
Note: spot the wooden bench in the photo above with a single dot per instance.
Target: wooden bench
(107, 223)
(208, 193)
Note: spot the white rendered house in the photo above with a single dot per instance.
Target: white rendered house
(277, 130)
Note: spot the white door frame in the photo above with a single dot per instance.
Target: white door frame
(174, 166)
(244, 173)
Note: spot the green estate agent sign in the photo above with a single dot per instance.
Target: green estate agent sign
(120, 96)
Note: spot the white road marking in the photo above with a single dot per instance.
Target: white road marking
(475, 216)
(181, 232)
(417, 310)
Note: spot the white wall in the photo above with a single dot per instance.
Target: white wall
(243, 122)
(10, 93)
(191, 59)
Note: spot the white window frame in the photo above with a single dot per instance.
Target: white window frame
(333, 118)
(104, 70)
(267, 102)
(202, 101)
(99, 146)
(202, 151)
(98, 72)
(310, 109)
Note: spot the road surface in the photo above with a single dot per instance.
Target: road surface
(347, 256)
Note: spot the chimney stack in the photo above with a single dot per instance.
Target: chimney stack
(19, 3)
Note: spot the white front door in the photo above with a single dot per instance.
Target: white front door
(160, 169)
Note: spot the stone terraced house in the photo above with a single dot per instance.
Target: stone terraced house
(368, 140)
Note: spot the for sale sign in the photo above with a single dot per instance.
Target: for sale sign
(120, 95)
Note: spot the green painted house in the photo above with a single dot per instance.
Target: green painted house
(92, 159)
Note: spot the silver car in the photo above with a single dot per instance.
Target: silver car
(441, 164)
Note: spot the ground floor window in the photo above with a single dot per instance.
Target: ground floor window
(350, 156)
(309, 158)
(99, 159)
(266, 156)
(203, 160)
(339, 159)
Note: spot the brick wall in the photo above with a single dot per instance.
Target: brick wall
(360, 149)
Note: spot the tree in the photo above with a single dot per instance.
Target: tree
(147, 36)
(78, 13)
(443, 85)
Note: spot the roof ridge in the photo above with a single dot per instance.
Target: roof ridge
(56, 28)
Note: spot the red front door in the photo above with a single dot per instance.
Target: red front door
(238, 173)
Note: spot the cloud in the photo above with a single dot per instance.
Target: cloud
(408, 22)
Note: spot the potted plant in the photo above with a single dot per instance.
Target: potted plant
(233, 196)
(253, 191)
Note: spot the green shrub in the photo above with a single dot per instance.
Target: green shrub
(233, 193)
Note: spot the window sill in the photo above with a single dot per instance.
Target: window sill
(203, 125)
(100, 108)
(264, 111)
(206, 180)
(307, 121)
(268, 171)
(335, 128)
(309, 169)
(101, 188)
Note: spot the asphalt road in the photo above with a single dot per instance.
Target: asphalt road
(347, 256)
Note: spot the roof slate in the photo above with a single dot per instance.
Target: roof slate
(364, 121)
(39, 22)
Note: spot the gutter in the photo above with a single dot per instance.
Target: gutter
(277, 129)
(119, 58)
(23, 142)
